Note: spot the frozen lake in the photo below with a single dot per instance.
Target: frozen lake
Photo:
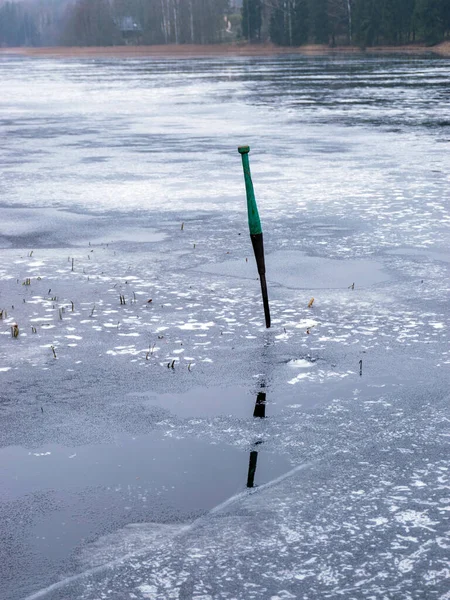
(129, 432)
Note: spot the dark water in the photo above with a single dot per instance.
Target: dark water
(59, 499)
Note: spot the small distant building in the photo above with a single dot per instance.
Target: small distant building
(130, 30)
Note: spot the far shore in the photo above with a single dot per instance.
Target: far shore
(219, 50)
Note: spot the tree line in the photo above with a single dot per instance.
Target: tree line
(113, 22)
(359, 22)
(282, 22)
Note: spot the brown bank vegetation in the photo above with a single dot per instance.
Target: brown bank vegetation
(220, 50)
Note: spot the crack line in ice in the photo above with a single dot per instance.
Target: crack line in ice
(185, 529)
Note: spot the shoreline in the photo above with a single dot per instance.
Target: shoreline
(219, 50)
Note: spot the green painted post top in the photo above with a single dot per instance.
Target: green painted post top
(244, 149)
(254, 222)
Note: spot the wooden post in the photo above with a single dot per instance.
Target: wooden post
(256, 234)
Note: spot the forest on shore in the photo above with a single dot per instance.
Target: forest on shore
(362, 23)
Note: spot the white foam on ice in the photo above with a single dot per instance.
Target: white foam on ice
(301, 363)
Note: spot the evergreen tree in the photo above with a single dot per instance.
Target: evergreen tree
(252, 20)
(90, 23)
(319, 27)
(300, 27)
(339, 21)
(367, 22)
(429, 19)
(277, 27)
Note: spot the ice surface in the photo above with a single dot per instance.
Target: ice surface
(130, 169)
(298, 270)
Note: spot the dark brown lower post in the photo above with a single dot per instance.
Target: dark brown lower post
(258, 249)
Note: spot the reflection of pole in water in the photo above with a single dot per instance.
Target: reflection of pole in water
(260, 406)
(252, 469)
(258, 413)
